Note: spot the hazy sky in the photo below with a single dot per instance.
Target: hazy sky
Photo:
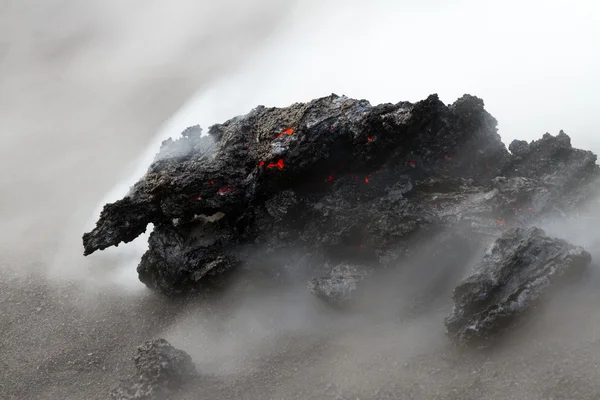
(84, 87)
(535, 63)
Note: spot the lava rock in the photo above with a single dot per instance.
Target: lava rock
(519, 147)
(179, 260)
(341, 285)
(521, 266)
(346, 181)
(161, 369)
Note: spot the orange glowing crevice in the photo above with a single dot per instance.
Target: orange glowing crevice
(370, 139)
(260, 164)
(288, 131)
(278, 164)
(224, 190)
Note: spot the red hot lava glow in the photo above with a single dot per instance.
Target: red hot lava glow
(279, 164)
(224, 190)
(288, 131)
(370, 139)
(260, 164)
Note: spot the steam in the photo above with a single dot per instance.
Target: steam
(87, 86)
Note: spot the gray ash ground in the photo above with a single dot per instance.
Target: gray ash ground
(66, 352)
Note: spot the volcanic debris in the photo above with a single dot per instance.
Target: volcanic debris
(338, 181)
(520, 267)
(160, 369)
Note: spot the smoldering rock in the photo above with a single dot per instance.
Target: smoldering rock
(340, 286)
(521, 267)
(160, 370)
(340, 179)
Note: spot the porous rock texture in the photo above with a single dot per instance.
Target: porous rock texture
(336, 180)
(160, 370)
(520, 267)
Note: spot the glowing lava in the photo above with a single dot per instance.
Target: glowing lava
(260, 164)
(278, 164)
(329, 178)
(212, 182)
(224, 190)
(288, 131)
(370, 139)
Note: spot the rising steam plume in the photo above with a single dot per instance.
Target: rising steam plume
(86, 85)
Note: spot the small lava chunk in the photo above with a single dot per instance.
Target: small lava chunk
(520, 267)
(160, 370)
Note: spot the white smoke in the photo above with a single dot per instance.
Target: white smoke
(85, 86)
(89, 89)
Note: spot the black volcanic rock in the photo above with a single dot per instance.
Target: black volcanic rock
(336, 180)
(160, 369)
(521, 266)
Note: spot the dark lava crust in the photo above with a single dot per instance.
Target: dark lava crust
(336, 180)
